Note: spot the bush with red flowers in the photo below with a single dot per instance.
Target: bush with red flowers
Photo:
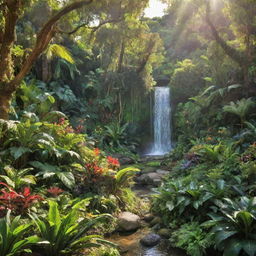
(113, 163)
(17, 202)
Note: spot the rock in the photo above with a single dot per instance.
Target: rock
(156, 227)
(148, 217)
(126, 160)
(151, 178)
(147, 170)
(123, 160)
(128, 221)
(150, 240)
(162, 172)
(156, 220)
(164, 232)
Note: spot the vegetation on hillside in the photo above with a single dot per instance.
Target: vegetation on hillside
(75, 95)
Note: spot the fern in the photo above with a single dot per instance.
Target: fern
(59, 51)
(240, 108)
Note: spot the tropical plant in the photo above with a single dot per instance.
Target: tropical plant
(212, 93)
(62, 172)
(178, 199)
(115, 134)
(240, 108)
(104, 251)
(217, 153)
(212, 153)
(234, 226)
(67, 234)
(59, 51)
(14, 237)
(123, 178)
(193, 238)
(18, 203)
(17, 178)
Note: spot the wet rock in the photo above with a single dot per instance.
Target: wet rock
(126, 160)
(156, 227)
(123, 160)
(151, 178)
(128, 221)
(148, 217)
(164, 232)
(147, 170)
(150, 240)
(162, 172)
(156, 220)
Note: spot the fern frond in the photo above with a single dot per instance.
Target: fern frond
(59, 51)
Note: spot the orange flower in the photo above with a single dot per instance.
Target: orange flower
(96, 151)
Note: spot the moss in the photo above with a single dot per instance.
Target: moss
(154, 164)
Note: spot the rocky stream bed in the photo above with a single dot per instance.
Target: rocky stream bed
(142, 235)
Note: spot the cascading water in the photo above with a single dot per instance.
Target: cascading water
(162, 122)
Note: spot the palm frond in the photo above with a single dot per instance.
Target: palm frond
(59, 51)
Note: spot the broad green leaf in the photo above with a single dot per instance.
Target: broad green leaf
(17, 152)
(249, 247)
(233, 248)
(67, 178)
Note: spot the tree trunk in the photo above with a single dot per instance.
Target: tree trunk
(121, 57)
(8, 83)
(5, 102)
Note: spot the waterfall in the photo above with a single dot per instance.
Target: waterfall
(162, 122)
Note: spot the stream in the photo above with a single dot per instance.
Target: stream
(129, 243)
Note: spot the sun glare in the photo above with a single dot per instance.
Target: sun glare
(155, 9)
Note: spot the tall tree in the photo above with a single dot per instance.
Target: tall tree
(11, 12)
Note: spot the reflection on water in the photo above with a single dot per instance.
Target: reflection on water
(155, 251)
(130, 245)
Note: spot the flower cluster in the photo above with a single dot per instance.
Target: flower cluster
(113, 163)
(93, 168)
(96, 151)
(18, 203)
(68, 128)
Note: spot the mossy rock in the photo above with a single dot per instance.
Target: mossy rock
(154, 164)
(164, 232)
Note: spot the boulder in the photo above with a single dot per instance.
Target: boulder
(148, 217)
(128, 221)
(150, 240)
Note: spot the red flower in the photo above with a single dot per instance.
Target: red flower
(18, 203)
(26, 191)
(113, 162)
(55, 191)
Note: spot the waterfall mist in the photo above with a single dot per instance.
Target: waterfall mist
(161, 122)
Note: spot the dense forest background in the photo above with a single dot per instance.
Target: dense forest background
(76, 93)
(104, 59)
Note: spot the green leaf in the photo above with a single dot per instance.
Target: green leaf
(54, 215)
(249, 247)
(221, 236)
(60, 51)
(17, 152)
(170, 205)
(67, 178)
(233, 248)
(8, 181)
